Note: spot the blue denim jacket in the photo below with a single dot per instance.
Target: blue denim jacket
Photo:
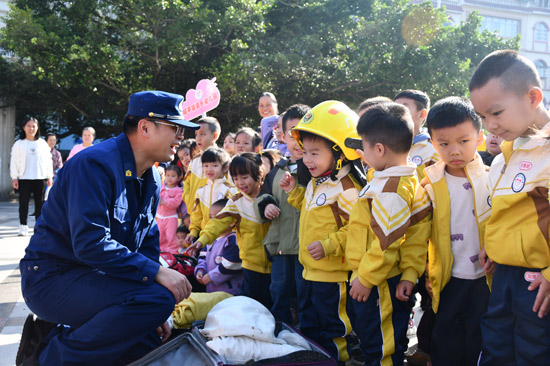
(94, 215)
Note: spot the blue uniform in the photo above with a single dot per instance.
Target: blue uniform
(92, 261)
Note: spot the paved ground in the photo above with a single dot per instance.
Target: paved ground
(13, 310)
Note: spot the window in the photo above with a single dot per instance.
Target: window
(541, 68)
(541, 32)
(508, 28)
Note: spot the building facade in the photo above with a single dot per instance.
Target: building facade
(528, 18)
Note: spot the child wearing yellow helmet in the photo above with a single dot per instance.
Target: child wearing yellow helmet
(325, 207)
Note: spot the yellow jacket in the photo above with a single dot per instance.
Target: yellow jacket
(423, 154)
(517, 231)
(389, 227)
(439, 251)
(250, 231)
(325, 210)
(205, 197)
(194, 179)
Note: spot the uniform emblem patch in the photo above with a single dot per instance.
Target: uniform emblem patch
(321, 200)
(128, 173)
(308, 118)
(531, 276)
(218, 259)
(417, 160)
(518, 183)
(220, 196)
(525, 165)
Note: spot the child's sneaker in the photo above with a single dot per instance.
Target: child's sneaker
(23, 230)
(411, 331)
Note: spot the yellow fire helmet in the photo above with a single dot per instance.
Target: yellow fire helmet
(332, 120)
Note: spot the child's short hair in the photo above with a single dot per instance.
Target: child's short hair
(450, 112)
(293, 112)
(516, 72)
(247, 164)
(369, 102)
(421, 99)
(273, 155)
(256, 138)
(306, 135)
(215, 155)
(231, 134)
(220, 203)
(185, 144)
(212, 123)
(174, 168)
(389, 124)
(183, 229)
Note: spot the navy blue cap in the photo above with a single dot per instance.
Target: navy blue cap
(159, 104)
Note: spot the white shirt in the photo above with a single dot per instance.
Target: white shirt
(464, 231)
(32, 165)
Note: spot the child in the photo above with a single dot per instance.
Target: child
(281, 240)
(215, 163)
(492, 143)
(206, 137)
(505, 90)
(270, 158)
(422, 151)
(219, 267)
(181, 234)
(247, 140)
(184, 155)
(247, 172)
(167, 215)
(388, 230)
(229, 144)
(457, 186)
(324, 213)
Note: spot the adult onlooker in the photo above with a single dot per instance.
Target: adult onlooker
(267, 107)
(30, 166)
(51, 139)
(88, 136)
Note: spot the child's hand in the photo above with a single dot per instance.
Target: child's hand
(542, 302)
(271, 211)
(287, 182)
(316, 250)
(404, 290)
(359, 292)
(486, 263)
(189, 239)
(205, 279)
(361, 154)
(193, 248)
(199, 276)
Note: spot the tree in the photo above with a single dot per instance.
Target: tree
(77, 62)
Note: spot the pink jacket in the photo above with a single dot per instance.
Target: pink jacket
(171, 198)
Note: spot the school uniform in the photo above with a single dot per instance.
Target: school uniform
(194, 179)
(220, 260)
(281, 242)
(206, 195)
(516, 238)
(92, 261)
(325, 206)
(460, 292)
(386, 244)
(239, 211)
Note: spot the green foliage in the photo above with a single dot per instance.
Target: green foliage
(75, 63)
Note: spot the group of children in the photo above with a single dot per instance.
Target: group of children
(344, 223)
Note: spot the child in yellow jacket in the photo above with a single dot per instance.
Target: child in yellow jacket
(458, 187)
(324, 207)
(387, 235)
(506, 92)
(195, 178)
(248, 173)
